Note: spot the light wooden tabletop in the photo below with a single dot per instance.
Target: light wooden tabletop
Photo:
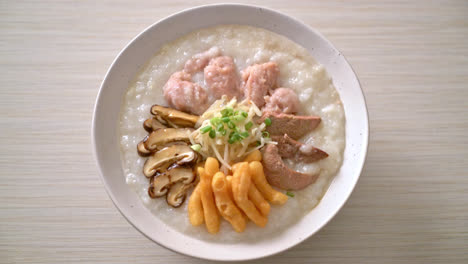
(410, 205)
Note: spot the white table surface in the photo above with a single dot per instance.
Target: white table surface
(410, 205)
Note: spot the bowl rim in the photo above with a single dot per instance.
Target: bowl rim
(359, 167)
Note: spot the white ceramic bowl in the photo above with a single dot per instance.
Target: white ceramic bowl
(135, 55)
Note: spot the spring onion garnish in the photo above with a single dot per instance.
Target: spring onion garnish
(290, 194)
(238, 118)
(212, 134)
(228, 131)
(231, 125)
(196, 147)
(215, 120)
(228, 111)
(267, 121)
(234, 137)
(244, 134)
(205, 129)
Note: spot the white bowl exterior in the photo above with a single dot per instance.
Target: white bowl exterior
(135, 56)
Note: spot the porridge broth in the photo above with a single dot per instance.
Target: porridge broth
(298, 71)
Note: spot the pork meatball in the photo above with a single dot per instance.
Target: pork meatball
(184, 95)
(282, 100)
(221, 77)
(257, 80)
(200, 60)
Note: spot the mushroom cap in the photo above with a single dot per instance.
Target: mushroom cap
(177, 194)
(181, 173)
(142, 150)
(159, 138)
(152, 124)
(160, 184)
(160, 160)
(176, 117)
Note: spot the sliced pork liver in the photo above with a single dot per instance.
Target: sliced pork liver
(293, 125)
(289, 148)
(280, 175)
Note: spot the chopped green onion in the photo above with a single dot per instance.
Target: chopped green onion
(290, 194)
(231, 125)
(267, 121)
(244, 134)
(215, 120)
(196, 147)
(259, 143)
(235, 136)
(238, 118)
(265, 134)
(236, 112)
(225, 119)
(220, 128)
(205, 129)
(248, 125)
(212, 134)
(244, 114)
(227, 111)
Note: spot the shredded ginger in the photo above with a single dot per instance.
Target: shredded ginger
(228, 131)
